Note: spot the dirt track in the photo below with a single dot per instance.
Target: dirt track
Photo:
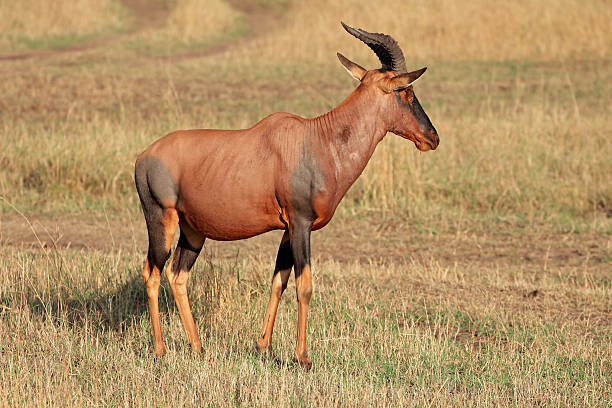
(145, 15)
(347, 241)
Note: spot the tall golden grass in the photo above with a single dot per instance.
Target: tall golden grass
(32, 19)
(198, 21)
(450, 29)
(437, 29)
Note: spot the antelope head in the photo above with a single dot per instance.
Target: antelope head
(402, 111)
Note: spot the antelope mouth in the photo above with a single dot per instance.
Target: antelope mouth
(424, 146)
(423, 143)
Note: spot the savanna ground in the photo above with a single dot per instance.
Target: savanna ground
(476, 275)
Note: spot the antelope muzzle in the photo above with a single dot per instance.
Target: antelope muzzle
(429, 139)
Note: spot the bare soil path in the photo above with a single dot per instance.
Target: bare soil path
(260, 21)
(144, 13)
(148, 14)
(360, 241)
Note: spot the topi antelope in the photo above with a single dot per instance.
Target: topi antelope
(285, 173)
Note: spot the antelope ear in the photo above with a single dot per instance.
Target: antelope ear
(403, 81)
(355, 70)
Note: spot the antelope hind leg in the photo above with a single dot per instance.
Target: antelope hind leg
(161, 233)
(282, 270)
(178, 276)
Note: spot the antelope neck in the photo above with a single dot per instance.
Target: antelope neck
(350, 133)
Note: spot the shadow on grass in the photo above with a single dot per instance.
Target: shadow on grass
(68, 297)
(116, 309)
(117, 306)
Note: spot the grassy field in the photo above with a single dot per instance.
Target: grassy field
(476, 275)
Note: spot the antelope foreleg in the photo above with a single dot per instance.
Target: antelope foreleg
(300, 246)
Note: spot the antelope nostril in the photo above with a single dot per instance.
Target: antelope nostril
(429, 137)
(433, 138)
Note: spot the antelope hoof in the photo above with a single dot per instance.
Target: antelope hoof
(196, 346)
(264, 348)
(303, 361)
(197, 349)
(160, 351)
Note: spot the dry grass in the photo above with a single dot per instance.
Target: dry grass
(74, 324)
(475, 275)
(196, 21)
(32, 22)
(189, 25)
(450, 29)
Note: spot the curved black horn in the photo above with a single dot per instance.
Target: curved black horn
(386, 48)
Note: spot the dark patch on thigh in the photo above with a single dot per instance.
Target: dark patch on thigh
(185, 255)
(284, 257)
(189, 238)
(156, 189)
(163, 187)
